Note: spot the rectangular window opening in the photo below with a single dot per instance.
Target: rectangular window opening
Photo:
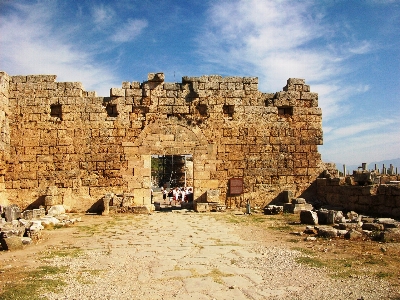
(202, 109)
(228, 111)
(112, 110)
(56, 111)
(285, 110)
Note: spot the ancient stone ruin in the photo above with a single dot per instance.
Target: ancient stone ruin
(246, 145)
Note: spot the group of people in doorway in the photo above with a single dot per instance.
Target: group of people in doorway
(177, 195)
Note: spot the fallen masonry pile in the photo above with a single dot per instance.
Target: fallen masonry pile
(334, 224)
(331, 223)
(21, 228)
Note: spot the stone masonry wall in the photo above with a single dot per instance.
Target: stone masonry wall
(58, 134)
(376, 200)
(4, 129)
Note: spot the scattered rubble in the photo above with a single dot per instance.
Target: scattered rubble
(354, 227)
(21, 228)
(332, 223)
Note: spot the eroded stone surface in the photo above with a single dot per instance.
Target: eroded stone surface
(62, 144)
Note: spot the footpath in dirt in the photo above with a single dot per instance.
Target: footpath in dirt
(186, 255)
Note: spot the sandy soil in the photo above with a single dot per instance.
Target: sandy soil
(186, 255)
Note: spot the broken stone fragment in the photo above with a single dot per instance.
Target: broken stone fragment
(352, 215)
(388, 222)
(341, 232)
(391, 235)
(56, 210)
(308, 217)
(26, 240)
(339, 218)
(353, 234)
(373, 226)
(273, 210)
(298, 201)
(326, 217)
(49, 220)
(11, 243)
(310, 230)
(327, 232)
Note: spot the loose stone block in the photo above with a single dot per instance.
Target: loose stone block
(201, 207)
(308, 217)
(11, 243)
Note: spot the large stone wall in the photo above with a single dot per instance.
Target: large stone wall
(376, 199)
(58, 134)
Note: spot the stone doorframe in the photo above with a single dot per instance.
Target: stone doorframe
(169, 137)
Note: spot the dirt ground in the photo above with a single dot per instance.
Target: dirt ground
(187, 255)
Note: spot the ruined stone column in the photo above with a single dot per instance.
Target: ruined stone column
(287, 196)
(106, 202)
(51, 197)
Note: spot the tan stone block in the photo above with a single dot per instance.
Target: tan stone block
(44, 158)
(203, 175)
(28, 184)
(180, 109)
(133, 92)
(235, 173)
(117, 92)
(315, 111)
(28, 175)
(133, 183)
(300, 171)
(131, 151)
(205, 184)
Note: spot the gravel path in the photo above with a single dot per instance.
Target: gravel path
(184, 255)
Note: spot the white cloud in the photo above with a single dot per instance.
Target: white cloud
(276, 40)
(129, 31)
(363, 147)
(358, 128)
(102, 15)
(31, 44)
(361, 48)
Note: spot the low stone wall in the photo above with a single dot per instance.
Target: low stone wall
(376, 200)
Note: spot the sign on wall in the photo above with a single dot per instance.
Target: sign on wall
(236, 186)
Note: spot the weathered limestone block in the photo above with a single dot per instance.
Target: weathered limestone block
(391, 235)
(373, 226)
(156, 77)
(11, 243)
(327, 232)
(201, 207)
(353, 234)
(106, 204)
(308, 217)
(12, 212)
(287, 196)
(273, 210)
(326, 217)
(117, 92)
(27, 214)
(56, 210)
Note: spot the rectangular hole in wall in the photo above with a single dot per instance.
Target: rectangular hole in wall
(285, 110)
(56, 111)
(228, 111)
(112, 110)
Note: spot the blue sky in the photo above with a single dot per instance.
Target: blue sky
(348, 51)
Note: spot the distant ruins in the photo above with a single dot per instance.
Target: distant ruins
(56, 134)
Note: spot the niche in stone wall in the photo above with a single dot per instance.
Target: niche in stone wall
(285, 110)
(228, 111)
(56, 111)
(202, 109)
(112, 110)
